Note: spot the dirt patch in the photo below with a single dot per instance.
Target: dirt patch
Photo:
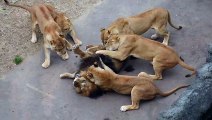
(15, 28)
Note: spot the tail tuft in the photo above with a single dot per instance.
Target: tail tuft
(188, 75)
(180, 27)
(6, 2)
(181, 58)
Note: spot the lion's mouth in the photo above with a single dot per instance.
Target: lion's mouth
(76, 84)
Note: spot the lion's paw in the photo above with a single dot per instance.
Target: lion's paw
(79, 43)
(155, 36)
(75, 47)
(34, 39)
(123, 108)
(45, 64)
(142, 74)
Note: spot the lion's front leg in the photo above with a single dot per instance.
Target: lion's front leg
(47, 58)
(113, 54)
(68, 45)
(74, 36)
(68, 75)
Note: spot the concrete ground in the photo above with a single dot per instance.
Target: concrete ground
(31, 92)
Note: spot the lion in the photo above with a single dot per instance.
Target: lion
(161, 56)
(52, 33)
(140, 88)
(82, 85)
(65, 24)
(156, 18)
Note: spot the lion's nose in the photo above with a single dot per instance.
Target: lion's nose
(76, 84)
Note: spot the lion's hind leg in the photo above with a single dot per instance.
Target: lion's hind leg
(140, 92)
(34, 23)
(135, 98)
(158, 68)
(163, 32)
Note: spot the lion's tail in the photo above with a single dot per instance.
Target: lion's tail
(184, 65)
(171, 24)
(20, 6)
(164, 94)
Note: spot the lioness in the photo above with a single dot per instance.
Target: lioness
(140, 88)
(162, 56)
(156, 18)
(65, 24)
(53, 39)
(81, 84)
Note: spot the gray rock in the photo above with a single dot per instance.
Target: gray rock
(194, 103)
(209, 59)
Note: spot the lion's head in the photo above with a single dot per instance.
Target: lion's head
(57, 43)
(113, 43)
(107, 33)
(59, 46)
(85, 87)
(64, 23)
(120, 26)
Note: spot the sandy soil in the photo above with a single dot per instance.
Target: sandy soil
(15, 28)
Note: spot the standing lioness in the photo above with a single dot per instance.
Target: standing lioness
(161, 56)
(42, 15)
(156, 18)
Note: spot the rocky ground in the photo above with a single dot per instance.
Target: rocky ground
(15, 27)
(195, 103)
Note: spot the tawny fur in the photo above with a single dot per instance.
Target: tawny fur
(161, 56)
(140, 88)
(44, 16)
(156, 18)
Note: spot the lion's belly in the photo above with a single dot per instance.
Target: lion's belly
(139, 26)
(123, 90)
(143, 56)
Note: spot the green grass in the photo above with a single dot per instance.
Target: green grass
(18, 59)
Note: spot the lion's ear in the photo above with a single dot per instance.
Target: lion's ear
(102, 29)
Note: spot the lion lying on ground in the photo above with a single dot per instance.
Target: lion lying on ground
(140, 88)
(88, 58)
(162, 56)
(156, 18)
(83, 86)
